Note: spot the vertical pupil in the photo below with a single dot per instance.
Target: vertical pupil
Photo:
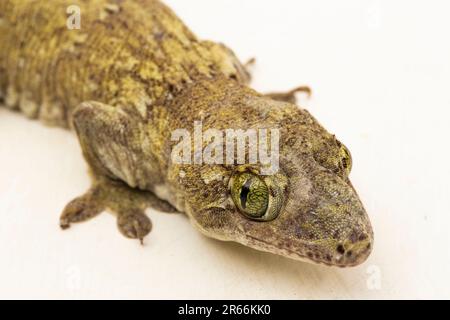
(244, 192)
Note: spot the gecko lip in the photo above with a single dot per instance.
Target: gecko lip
(355, 254)
(341, 260)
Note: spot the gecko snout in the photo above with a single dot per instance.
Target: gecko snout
(338, 224)
(354, 250)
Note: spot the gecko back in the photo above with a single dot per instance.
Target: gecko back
(131, 53)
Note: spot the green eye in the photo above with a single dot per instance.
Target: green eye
(347, 161)
(251, 195)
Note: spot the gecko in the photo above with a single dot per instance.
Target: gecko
(130, 75)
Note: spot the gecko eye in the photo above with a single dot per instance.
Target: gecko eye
(251, 195)
(346, 157)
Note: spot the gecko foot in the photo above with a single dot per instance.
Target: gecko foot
(134, 225)
(290, 96)
(127, 203)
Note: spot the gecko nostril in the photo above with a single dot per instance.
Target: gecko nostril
(340, 249)
(362, 237)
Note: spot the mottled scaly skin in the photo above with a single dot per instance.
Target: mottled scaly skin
(131, 53)
(131, 76)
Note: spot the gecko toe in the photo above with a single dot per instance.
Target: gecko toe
(79, 210)
(134, 225)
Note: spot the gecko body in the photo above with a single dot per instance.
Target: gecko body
(131, 76)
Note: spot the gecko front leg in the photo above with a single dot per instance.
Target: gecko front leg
(109, 138)
(106, 194)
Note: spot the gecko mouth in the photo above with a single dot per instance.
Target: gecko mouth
(342, 258)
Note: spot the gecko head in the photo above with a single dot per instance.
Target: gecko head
(306, 210)
(303, 212)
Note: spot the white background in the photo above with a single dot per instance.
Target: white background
(380, 71)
